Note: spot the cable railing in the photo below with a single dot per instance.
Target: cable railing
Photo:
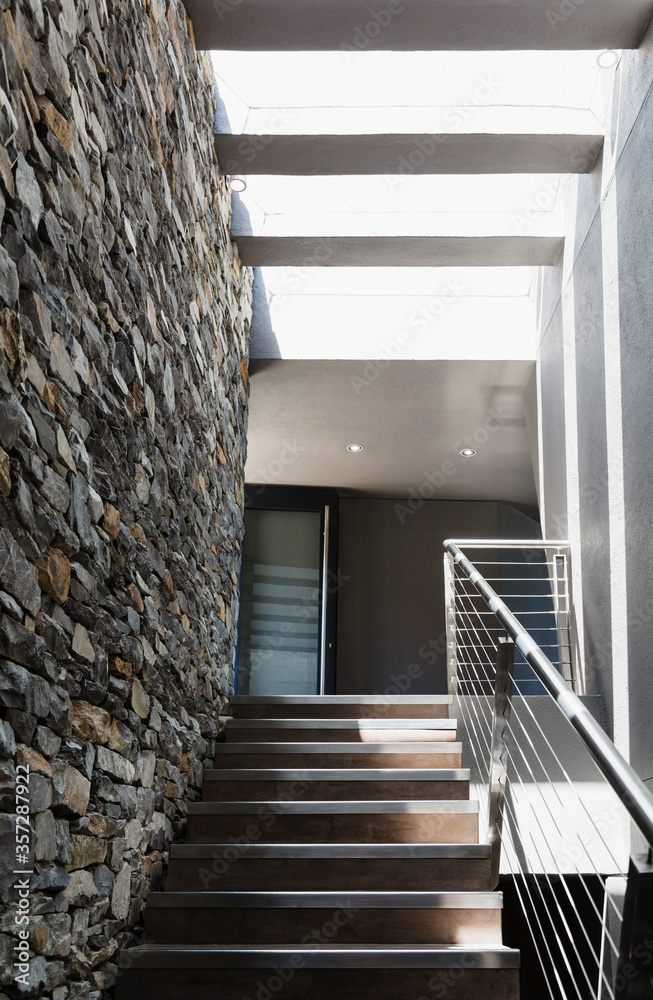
(533, 580)
(561, 800)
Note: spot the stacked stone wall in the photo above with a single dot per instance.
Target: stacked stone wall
(124, 321)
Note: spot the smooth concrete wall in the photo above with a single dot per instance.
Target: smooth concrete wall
(634, 211)
(592, 500)
(597, 306)
(391, 601)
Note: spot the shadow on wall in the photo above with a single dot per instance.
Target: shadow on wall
(263, 340)
(263, 343)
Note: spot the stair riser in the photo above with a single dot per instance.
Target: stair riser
(340, 735)
(340, 804)
(328, 874)
(319, 984)
(323, 926)
(346, 828)
(340, 711)
(335, 760)
(308, 791)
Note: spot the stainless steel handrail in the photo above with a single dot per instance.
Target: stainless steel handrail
(630, 789)
(507, 543)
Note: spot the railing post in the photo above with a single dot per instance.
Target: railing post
(630, 788)
(634, 980)
(450, 612)
(499, 752)
(562, 609)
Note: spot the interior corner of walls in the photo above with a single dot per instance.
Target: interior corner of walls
(534, 431)
(518, 522)
(549, 294)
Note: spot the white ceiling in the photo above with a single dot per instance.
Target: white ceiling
(433, 81)
(445, 323)
(412, 418)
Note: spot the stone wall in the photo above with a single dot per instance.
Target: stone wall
(124, 318)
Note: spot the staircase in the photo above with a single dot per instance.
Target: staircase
(335, 854)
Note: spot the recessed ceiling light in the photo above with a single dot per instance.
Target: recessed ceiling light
(354, 447)
(237, 184)
(468, 452)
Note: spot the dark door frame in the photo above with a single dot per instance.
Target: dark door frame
(310, 499)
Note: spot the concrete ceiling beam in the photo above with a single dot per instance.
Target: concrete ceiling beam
(398, 251)
(407, 154)
(418, 25)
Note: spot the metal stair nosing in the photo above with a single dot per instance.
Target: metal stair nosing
(380, 962)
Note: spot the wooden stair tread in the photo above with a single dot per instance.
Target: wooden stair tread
(312, 864)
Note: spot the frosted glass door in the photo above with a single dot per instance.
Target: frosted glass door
(279, 642)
